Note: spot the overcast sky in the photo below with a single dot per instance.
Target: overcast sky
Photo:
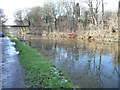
(10, 6)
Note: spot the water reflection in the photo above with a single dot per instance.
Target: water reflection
(90, 65)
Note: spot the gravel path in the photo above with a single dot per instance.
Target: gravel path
(12, 75)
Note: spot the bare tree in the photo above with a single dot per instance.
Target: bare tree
(94, 10)
(19, 18)
(77, 10)
(26, 17)
(3, 19)
(86, 19)
(49, 15)
(36, 16)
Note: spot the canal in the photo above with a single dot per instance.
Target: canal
(87, 64)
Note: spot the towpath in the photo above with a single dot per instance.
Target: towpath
(12, 75)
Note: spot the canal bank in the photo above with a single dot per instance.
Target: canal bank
(39, 71)
(94, 35)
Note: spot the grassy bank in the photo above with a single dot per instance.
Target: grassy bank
(39, 71)
(94, 35)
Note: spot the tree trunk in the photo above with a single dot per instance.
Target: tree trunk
(102, 14)
(119, 31)
(55, 23)
(119, 16)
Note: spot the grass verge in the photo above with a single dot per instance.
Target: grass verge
(39, 71)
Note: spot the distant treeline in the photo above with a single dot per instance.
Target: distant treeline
(68, 16)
